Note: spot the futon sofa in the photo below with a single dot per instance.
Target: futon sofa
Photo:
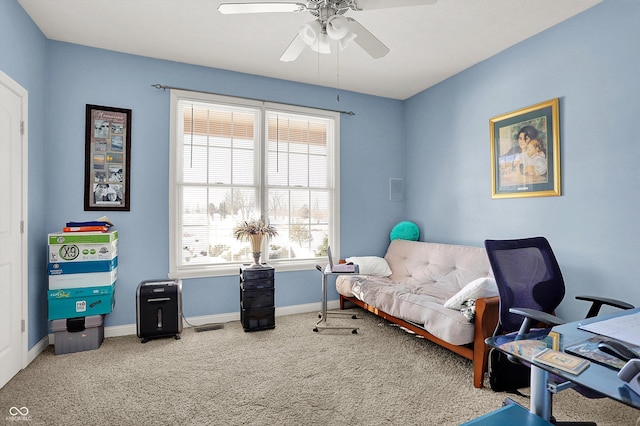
(427, 288)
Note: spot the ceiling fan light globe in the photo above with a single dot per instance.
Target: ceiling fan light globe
(346, 40)
(337, 27)
(321, 45)
(310, 31)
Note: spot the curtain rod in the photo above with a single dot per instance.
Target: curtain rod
(160, 86)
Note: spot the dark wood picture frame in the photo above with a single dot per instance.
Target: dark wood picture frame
(107, 170)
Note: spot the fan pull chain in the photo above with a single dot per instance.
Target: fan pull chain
(338, 74)
(318, 53)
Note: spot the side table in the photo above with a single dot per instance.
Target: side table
(322, 322)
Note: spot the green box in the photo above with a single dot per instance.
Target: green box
(83, 237)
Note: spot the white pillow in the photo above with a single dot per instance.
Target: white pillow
(476, 289)
(371, 265)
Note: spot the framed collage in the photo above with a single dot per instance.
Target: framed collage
(107, 158)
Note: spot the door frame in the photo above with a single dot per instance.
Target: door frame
(16, 88)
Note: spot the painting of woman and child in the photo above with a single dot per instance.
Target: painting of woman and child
(525, 152)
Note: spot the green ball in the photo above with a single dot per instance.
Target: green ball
(405, 231)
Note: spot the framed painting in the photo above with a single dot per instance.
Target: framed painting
(107, 158)
(525, 152)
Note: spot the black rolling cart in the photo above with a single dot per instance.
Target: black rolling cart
(257, 297)
(159, 309)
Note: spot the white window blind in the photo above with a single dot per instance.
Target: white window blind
(235, 160)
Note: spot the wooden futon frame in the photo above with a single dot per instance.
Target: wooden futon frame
(485, 323)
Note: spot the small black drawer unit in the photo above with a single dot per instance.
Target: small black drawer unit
(257, 297)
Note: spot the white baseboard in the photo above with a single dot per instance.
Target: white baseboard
(130, 329)
(37, 349)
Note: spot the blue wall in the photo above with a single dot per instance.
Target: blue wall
(70, 76)
(80, 75)
(591, 63)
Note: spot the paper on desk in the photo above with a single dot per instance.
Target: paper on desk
(624, 327)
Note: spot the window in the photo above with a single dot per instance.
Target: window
(236, 159)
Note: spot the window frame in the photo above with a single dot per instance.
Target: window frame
(231, 268)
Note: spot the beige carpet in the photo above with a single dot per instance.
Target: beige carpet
(285, 376)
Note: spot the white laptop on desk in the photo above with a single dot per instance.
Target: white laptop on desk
(341, 267)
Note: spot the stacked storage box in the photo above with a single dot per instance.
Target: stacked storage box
(257, 307)
(78, 334)
(82, 269)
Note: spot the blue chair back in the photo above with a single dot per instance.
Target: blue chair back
(527, 275)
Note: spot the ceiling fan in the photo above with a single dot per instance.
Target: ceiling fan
(331, 24)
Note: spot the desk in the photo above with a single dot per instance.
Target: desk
(322, 322)
(596, 377)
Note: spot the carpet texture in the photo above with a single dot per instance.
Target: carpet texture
(285, 376)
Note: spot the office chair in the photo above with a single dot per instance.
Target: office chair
(530, 285)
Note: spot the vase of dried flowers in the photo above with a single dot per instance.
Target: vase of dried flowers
(254, 231)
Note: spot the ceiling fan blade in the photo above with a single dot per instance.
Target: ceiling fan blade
(294, 49)
(260, 7)
(385, 4)
(369, 43)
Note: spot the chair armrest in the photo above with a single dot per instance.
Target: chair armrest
(597, 302)
(532, 316)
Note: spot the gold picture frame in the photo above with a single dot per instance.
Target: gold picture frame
(525, 152)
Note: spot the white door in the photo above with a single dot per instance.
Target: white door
(13, 336)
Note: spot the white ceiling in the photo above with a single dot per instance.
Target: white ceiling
(428, 43)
